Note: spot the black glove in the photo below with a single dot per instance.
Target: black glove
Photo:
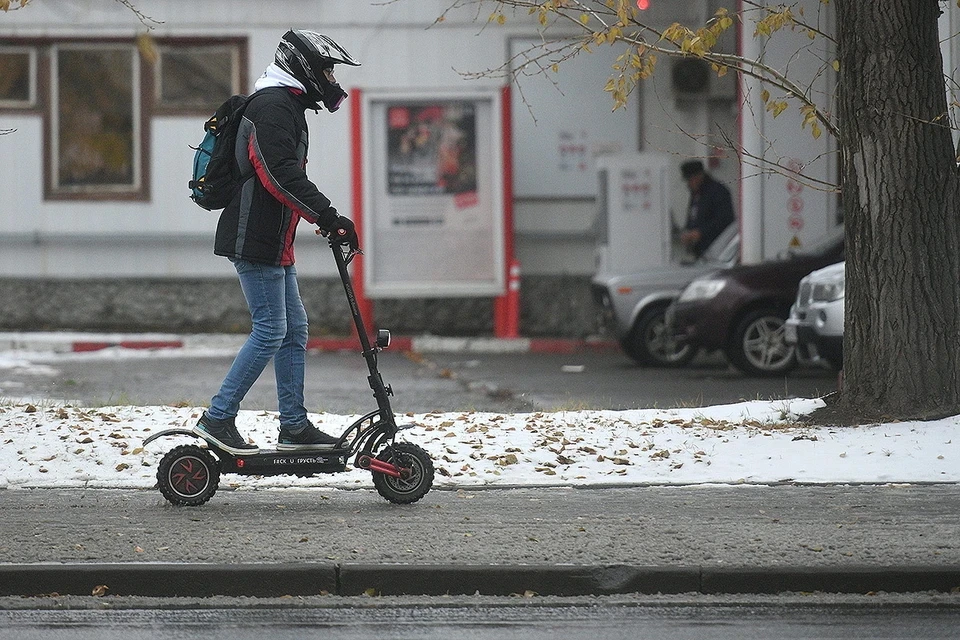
(345, 232)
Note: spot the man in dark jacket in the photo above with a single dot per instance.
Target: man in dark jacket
(710, 210)
(257, 229)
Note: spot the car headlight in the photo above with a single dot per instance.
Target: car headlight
(829, 290)
(705, 289)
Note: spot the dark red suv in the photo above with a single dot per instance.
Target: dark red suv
(742, 310)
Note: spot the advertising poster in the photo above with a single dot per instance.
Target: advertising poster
(432, 149)
(433, 179)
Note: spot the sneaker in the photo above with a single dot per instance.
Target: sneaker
(224, 435)
(309, 437)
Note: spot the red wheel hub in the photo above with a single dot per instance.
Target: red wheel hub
(188, 476)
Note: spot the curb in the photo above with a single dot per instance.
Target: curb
(85, 343)
(271, 580)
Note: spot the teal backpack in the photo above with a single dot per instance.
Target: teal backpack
(216, 176)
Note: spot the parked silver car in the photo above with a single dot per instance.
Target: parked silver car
(633, 304)
(815, 324)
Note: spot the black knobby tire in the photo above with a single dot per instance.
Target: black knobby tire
(411, 488)
(188, 475)
(758, 346)
(650, 342)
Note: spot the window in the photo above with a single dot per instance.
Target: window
(97, 98)
(95, 114)
(196, 77)
(17, 73)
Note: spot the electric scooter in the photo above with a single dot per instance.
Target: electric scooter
(188, 475)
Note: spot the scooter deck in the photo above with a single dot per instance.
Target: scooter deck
(271, 462)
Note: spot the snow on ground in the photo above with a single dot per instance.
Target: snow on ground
(51, 445)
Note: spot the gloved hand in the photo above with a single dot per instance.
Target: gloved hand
(345, 232)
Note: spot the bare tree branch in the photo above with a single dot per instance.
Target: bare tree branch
(619, 22)
(145, 20)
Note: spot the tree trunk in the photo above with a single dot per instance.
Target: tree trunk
(900, 197)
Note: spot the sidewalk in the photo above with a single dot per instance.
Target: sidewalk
(76, 342)
(558, 541)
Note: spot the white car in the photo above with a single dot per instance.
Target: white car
(815, 324)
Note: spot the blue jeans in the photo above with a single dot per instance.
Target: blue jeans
(279, 332)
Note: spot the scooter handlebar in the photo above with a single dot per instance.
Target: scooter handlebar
(348, 252)
(327, 234)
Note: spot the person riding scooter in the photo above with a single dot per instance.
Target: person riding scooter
(256, 232)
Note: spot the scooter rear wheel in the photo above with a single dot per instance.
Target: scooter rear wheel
(188, 475)
(417, 480)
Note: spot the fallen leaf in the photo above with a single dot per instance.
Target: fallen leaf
(508, 459)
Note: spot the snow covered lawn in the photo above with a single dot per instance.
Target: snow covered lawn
(51, 445)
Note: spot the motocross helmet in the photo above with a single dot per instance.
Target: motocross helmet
(308, 56)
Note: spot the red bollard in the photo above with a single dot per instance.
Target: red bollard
(512, 320)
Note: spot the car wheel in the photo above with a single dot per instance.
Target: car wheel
(758, 346)
(651, 342)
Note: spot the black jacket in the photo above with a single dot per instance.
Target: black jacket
(710, 212)
(260, 224)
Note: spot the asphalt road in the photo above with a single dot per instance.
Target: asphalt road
(337, 382)
(608, 380)
(748, 621)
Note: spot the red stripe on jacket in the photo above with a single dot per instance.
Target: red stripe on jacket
(286, 254)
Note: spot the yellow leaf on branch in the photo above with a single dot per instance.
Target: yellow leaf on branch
(148, 48)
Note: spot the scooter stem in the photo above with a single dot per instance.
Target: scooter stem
(380, 391)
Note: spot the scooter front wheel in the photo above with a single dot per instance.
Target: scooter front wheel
(416, 478)
(188, 475)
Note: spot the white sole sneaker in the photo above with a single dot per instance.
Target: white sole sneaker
(210, 439)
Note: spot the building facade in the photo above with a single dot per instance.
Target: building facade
(99, 120)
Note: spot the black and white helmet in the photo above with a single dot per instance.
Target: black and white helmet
(305, 55)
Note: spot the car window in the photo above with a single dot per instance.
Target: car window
(731, 252)
(722, 248)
